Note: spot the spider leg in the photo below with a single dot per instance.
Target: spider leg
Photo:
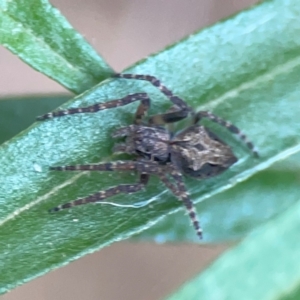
(183, 108)
(143, 97)
(100, 196)
(142, 166)
(162, 176)
(145, 168)
(231, 127)
(142, 110)
(181, 192)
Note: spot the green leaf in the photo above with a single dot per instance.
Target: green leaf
(37, 32)
(263, 266)
(239, 69)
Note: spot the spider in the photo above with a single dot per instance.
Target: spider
(195, 151)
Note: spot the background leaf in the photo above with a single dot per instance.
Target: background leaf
(267, 255)
(17, 113)
(238, 69)
(43, 38)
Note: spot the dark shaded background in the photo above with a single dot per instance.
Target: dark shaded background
(123, 32)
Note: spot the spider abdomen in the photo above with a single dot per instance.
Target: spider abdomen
(200, 153)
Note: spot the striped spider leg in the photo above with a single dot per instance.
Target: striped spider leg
(145, 168)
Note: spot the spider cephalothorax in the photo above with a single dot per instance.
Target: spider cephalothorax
(195, 151)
